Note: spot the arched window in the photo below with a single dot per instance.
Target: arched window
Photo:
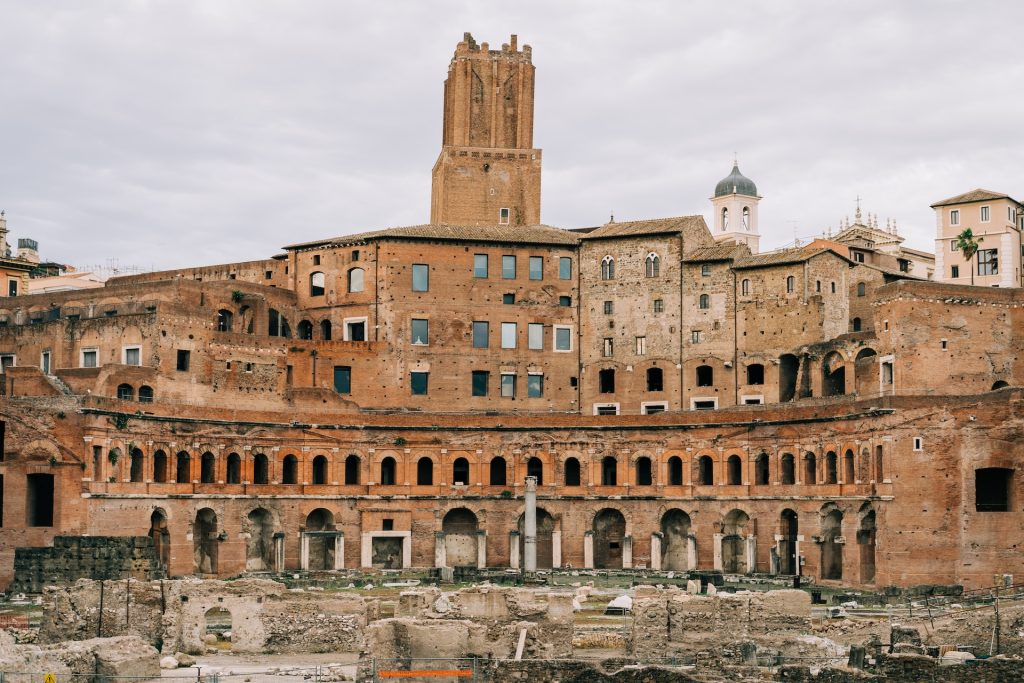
(160, 467)
(608, 473)
(535, 468)
(607, 268)
(833, 286)
(387, 471)
(761, 470)
(572, 472)
(655, 379)
(652, 267)
(705, 301)
(831, 468)
(260, 469)
(810, 469)
(305, 329)
(320, 469)
(746, 218)
(849, 468)
(856, 324)
(734, 470)
(643, 472)
(325, 330)
(355, 280)
(316, 283)
(675, 471)
(725, 218)
(790, 284)
(207, 467)
(138, 460)
(145, 394)
(277, 326)
(352, 466)
(245, 319)
(705, 470)
(745, 287)
(460, 472)
(788, 469)
(181, 470)
(290, 471)
(234, 469)
(125, 392)
(861, 289)
(425, 471)
(499, 471)
(224, 318)
(705, 376)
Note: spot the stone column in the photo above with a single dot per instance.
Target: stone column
(279, 552)
(751, 553)
(776, 555)
(627, 552)
(303, 551)
(588, 550)
(440, 552)
(366, 551)
(481, 549)
(799, 564)
(339, 551)
(407, 550)
(656, 551)
(718, 552)
(691, 551)
(556, 548)
(530, 527)
(513, 549)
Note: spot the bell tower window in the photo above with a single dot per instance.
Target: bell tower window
(725, 218)
(746, 218)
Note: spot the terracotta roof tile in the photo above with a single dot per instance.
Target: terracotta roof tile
(718, 252)
(784, 256)
(518, 234)
(978, 195)
(656, 226)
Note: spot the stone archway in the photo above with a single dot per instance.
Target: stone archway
(609, 539)
(161, 537)
(321, 547)
(204, 542)
(545, 539)
(460, 528)
(258, 527)
(734, 542)
(866, 543)
(676, 539)
(831, 546)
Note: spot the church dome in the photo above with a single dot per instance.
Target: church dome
(735, 183)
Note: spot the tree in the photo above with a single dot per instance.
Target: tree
(968, 245)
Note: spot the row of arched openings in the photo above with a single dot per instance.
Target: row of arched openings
(182, 468)
(652, 266)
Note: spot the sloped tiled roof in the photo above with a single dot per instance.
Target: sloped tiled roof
(518, 234)
(717, 252)
(783, 256)
(656, 226)
(978, 195)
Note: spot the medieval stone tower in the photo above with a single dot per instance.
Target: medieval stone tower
(488, 172)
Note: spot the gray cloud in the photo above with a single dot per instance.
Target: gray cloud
(170, 133)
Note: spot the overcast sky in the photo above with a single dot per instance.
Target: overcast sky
(176, 133)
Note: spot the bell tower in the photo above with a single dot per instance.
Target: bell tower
(488, 172)
(735, 206)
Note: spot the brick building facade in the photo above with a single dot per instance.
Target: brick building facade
(377, 399)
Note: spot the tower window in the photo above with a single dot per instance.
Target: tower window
(503, 215)
(725, 218)
(746, 218)
(607, 268)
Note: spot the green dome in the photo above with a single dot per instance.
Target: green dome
(735, 183)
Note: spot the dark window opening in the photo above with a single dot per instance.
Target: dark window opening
(460, 472)
(788, 469)
(572, 472)
(343, 379)
(705, 471)
(705, 376)
(388, 525)
(675, 471)
(755, 373)
(498, 471)
(206, 468)
(608, 473)
(352, 470)
(535, 468)
(387, 471)
(181, 471)
(643, 472)
(39, 500)
(480, 381)
(290, 471)
(734, 470)
(761, 470)
(655, 379)
(234, 469)
(320, 470)
(125, 392)
(992, 489)
(184, 360)
(145, 394)
(305, 329)
(425, 472)
(606, 380)
(260, 469)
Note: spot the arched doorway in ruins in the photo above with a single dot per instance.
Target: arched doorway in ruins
(258, 529)
(609, 537)
(675, 543)
(460, 538)
(545, 539)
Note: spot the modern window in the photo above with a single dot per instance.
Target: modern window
(420, 331)
(316, 284)
(705, 301)
(954, 245)
(508, 267)
(652, 265)
(534, 386)
(508, 335)
(420, 277)
(564, 268)
(12, 288)
(655, 379)
(343, 379)
(653, 407)
(508, 298)
(354, 329)
(705, 270)
(503, 215)
(858, 256)
(988, 262)
(508, 385)
(985, 214)
(641, 346)
(659, 306)
(607, 268)
(954, 217)
(606, 409)
(609, 347)
(703, 403)
(606, 381)
(563, 338)
(90, 358)
(184, 360)
(565, 301)
(481, 334)
(132, 355)
(480, 265)
(419, 381)
(609, 307)
(356, 280)
(705, 376)
(954, 271)
(536, 267)
(481, 378)
(535, 336)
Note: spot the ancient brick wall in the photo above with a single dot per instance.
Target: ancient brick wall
(90, 557)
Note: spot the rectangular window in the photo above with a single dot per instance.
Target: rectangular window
(7, 360)
(12, 288)
(641, 346)
(535, 336)
(536, 267)
(653, 408)
(480, 380)
(419, 382)
(508, 267)
(609, 347)
(609, 307)
(343, 379)
(132, 355)
(954, 245)
(887, 373)
(858, 256)
(90, 358)
(563, 338)
(508, 298)
(954, 217)
(508, 386)
(903, 264)
(706, 404)
(316, 259)
(705, 270)
(564, 268)
(534, 386)
(508, 335)
(984, 214)
(184, 360)
(420, 277)
(659, 306)
(606, 409)
(565, 301)
(988, 262)
(954, 271)
(503, 215)
(481, 334)
(696, 337)
(479, 265)
(420, 331)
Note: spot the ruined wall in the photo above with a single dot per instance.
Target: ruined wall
(94, 557)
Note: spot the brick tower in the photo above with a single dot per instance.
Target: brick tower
(488, 172)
